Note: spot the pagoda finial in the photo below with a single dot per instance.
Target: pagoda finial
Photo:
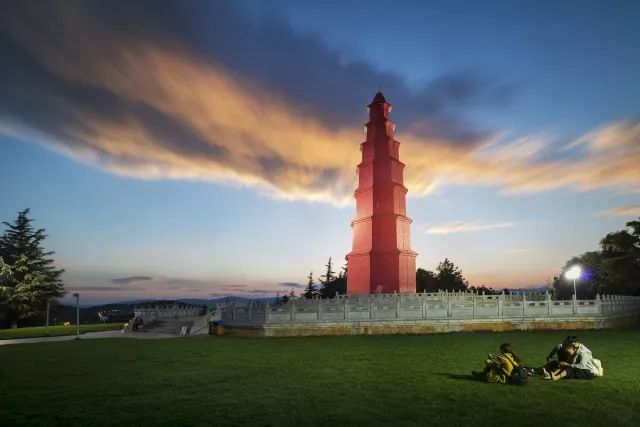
(379, 99)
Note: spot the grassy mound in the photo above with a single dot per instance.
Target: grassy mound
(360, 380)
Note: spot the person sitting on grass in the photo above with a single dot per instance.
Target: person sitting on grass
(583, 366)
(557, 354)
(499, 368)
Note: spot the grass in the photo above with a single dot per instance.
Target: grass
(359, 380)
(40, 331)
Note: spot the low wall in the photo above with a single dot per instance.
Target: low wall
(427, 313)
(158, 313)
(400, 327)
(441, 305)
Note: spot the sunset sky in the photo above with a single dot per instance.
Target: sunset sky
(206, 148)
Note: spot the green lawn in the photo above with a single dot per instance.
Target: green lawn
(39, 331)
(360, 380)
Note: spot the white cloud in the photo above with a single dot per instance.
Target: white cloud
(461, 226)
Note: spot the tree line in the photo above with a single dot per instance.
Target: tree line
(613, 269)
(446, 277)
(28, 277)
(329, 284)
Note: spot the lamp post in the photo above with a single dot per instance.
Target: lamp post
(77, 315)
(46, 327)
(572, 274)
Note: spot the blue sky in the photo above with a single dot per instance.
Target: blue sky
(206, 149)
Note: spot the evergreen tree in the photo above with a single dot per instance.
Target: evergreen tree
(20, 297)
(332, 284)
(33, 279)
(311, 290)
(426, 281)
(343, 272)
(450, 277)
(329, 276)
(447, 277)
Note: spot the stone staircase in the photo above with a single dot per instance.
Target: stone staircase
(176, 327)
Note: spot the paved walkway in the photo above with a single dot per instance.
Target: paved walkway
(90, 335)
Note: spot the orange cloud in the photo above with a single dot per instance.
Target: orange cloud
(623, 211)
(191, 118)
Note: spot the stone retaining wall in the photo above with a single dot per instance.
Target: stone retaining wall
(427, 313)
(393, 327)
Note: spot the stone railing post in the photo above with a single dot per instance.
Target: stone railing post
(346, 309)
(500, 302)
(449, 310)
(473, 313)
(370, 306)
(319, 308)
(266, 312)
(598, 303)
(292, 308)
(548, 295)
(575, 304)
(424, 308)
(524, 303)
(398, 301)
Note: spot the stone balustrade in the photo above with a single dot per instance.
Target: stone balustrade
(170, 312)
(425, 306)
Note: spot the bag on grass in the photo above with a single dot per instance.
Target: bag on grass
(519, 376)
(597, 368)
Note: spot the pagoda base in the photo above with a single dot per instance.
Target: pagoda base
(381, 272)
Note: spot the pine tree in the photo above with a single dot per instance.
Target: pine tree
(20, 298)
(329, 276)
(311, 290)
(33, 279)
(450, 277)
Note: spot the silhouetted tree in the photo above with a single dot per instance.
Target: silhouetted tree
(447, 277)
(615, 269)
(311, 290)
(450, 277)
(426, 281)
(482, 289)
(329, 276)
(593, 281)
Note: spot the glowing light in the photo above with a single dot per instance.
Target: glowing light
(573, 273)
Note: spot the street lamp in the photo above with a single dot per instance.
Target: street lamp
(77, 315)
(46, 328)
(572, 274)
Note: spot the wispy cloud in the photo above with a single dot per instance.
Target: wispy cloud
(132, 279)
(233, 287)
(104, 288)
(291, 285)
(148, 104)
(461, 226)
(622, 211)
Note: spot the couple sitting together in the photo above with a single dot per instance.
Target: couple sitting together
(570, 359)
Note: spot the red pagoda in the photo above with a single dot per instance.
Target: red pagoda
(381, 260)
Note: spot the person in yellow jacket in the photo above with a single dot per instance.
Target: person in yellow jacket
(499, 368)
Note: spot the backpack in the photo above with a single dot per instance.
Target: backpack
(597, 368)
(519, 376)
